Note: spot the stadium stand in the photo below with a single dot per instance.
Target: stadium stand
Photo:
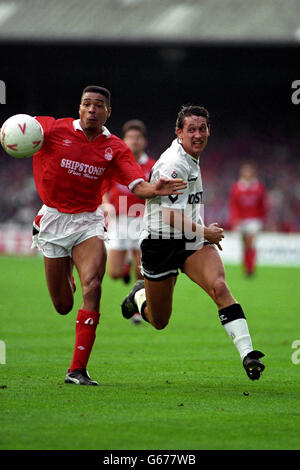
(45, 44)
(140, 20)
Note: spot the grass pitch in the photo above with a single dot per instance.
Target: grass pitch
(182, 388)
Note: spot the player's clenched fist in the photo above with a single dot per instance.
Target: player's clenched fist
(214, 234)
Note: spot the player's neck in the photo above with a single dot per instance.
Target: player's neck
(92, 133)
(137, 156)
(248, 180)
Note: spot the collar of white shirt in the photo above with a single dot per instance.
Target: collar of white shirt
(77, 127)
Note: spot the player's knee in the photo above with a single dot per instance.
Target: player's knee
(219, 290)
(62, 308)
(159, 324)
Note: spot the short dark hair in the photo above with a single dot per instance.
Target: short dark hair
(135, 124)
(98, 89)
(191, 110)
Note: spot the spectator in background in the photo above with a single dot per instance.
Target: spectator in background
(124, 221)
(247, 211)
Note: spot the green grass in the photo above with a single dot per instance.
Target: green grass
(182, 388)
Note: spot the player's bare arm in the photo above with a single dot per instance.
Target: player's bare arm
(177, 219)
(163, 187)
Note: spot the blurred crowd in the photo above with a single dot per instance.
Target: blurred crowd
(278, 167)
(19, 200)
(277, 161)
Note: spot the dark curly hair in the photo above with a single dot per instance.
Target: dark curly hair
(191, 110)
(98, 89)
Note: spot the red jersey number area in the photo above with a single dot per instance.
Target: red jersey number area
(70, 171)
(247, 201)
(123, 199)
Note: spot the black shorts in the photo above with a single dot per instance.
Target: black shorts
(161, 258)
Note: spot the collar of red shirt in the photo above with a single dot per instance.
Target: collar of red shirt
(77, 127)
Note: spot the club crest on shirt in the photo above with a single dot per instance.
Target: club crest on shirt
(108, 153)
(174, 174)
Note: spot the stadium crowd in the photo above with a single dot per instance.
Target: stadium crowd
(278, 167)
(277, 161)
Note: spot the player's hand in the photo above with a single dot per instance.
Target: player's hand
(167, 187)
(214, 234)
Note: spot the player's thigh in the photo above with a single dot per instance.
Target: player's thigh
(116, 262)
(59, 280)
(205, 267)
(89, 258)
(159, 297)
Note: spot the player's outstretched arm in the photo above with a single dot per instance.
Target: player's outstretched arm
(176, 218)
(162, 187)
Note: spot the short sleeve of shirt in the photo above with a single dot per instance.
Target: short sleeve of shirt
(46, 122)
(173, 169)
(126, 170)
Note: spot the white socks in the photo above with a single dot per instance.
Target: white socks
(140, 298)
(234, 321)
(239, 333)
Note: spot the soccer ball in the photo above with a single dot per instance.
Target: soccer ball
(21, 136)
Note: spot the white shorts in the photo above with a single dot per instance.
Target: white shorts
(56, 233)
(250, 226)
(123, 233)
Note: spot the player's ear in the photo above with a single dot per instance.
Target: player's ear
(108, 112)
(178, 132)
(208, 130)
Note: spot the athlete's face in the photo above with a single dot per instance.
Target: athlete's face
(194, 135)
(135, 141)
(247, 172)
(93, 111)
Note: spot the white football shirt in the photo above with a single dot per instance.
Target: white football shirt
(174, 163)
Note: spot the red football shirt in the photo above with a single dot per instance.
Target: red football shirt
(128, 199)
(71, 172)
(247, 200)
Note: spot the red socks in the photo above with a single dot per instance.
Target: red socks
(86, 325)
(250, 260)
